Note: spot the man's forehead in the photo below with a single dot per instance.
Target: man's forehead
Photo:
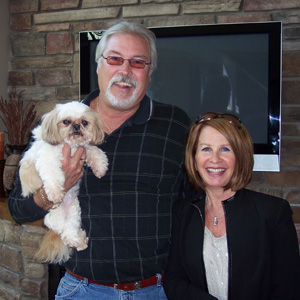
(119, 43)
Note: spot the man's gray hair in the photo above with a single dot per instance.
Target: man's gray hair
(129, 28)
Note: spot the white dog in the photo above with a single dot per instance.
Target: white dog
(41, 166)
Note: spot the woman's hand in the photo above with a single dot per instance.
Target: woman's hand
(72, 165)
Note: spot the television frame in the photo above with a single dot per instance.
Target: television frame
(267, 155)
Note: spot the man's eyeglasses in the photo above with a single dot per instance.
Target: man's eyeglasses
(229, 117)
(133, 62)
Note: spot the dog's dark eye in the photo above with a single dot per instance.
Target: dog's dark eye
(66, 122)
(84, 122)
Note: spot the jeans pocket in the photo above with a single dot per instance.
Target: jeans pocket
(67, 288)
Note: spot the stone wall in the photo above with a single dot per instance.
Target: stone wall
(44, 55)
(44, 63)
(4, 17)
(21, 277)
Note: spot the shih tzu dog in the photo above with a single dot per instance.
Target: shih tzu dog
(76, 124)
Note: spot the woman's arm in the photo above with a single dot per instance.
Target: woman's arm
(285, 258)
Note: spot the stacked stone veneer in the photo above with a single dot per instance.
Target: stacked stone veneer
(44, 59)
(44, 63)
(21, 277)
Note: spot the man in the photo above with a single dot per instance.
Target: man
(127, 213)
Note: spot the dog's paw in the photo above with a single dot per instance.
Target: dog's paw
(80, 241)
(54, 195)
(98, 161)
(99, 166)
(99, 171)
(83, 245)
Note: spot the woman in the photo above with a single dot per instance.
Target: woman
(229, 243)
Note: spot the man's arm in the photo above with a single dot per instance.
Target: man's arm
(24, 209)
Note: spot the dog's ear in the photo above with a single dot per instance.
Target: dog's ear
(97, 129)
(50, 133)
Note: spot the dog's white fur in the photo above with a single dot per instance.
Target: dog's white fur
(78, 125)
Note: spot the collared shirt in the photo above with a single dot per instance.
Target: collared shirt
(127, 213)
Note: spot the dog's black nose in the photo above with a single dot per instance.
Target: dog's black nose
(76, 126)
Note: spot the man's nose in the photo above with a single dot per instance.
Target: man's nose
(125, 67)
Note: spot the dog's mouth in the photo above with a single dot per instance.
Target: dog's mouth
(76, 130)
(77, 133)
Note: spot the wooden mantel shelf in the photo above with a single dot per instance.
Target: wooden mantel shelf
(4, 212)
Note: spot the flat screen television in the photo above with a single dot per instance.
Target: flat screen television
(230, 68)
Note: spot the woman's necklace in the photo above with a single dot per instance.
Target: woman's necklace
(215, 218)
(101, 117)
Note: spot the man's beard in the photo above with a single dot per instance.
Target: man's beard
(120, 101)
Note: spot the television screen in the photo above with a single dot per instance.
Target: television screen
(229, 68)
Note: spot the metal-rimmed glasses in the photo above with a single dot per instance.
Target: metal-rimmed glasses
(212, 115)
(133, 62)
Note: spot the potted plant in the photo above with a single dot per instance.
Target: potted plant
(19, 118)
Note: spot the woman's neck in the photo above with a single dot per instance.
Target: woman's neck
(216, 196)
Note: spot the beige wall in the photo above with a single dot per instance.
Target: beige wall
(4, 50)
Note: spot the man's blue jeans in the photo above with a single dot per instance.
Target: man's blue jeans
(73, 289)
